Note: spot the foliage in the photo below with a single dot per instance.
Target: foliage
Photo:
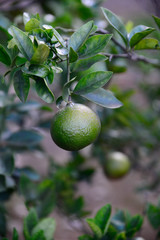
(44, 53)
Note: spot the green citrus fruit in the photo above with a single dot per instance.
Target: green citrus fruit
(75, 127)
(117, 165)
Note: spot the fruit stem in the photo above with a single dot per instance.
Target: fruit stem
(68, 77)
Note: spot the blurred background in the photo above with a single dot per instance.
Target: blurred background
(133, 129)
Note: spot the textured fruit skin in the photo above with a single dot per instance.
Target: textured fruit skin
(75, 127)
(117, 165)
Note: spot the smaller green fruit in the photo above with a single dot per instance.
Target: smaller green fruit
(117, 165)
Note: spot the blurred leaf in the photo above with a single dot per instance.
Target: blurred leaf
(2, 183)
(121, 236)
(57, 69)
(27, 188)
(111, 232)
(2, 219)
(15, 234)
(21, 85)
(4, 56)
(50, 77)
(118, 220)
(85, 237)
(92, 81)
(153, 214)
(23, 42)
(30, 221)
(43, 90)
(40, 34)
(6, 163)
(116, 23)
(94, 45)
(138, 33)
(147, 43)
(24, 138)
(79, 37)
(41, 54)
(73, 56)
(157, 21)
(86, 63)
(32, 24)
(38, 236)
(95, 228)
(37, 70)
(27, 171)
(20, 61)
(47, 225)
(133, 225)
(102, 218)
(103, 98)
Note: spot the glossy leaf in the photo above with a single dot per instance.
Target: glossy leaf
(4, 56)
(65, 91)
(102, 218)
(94, 45)
(43, 90)
(138, 33)
(95, 228)
(33, 23)
(86, 63)
(50, 77)
(20, 61)
(40, 34)
(147, 43)
(47, 225)
(79, 37)
(21, 85)
(56, 35)
(23, 42)
(103, 98)
(37, 70)
(116, 23)
(6, 163)
(73, 56)
(24, 138)
(92, 81)
(157, 21)
(41, 54)
(153, 214)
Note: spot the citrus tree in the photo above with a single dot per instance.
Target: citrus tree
(34, 55)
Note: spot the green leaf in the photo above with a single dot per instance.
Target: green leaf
(43, 90)
(40, 34)
(29, 223)
(50, 77)
(116, 23)
(147, 43)
(153, 214)
(94, 45)
(21, 85)
(85, 237)
(102, 218)
(56, 35)
(6, 163)
(86, 63)
(4, 56)
(33, 23)
(23, 42)
(92, 81)
(121, 236)
(2, 183)
(79, 37)
(15, 235)
(157, 21)
(24, 138)
(138, 33)
(47, 225)
(41, 54)
(65, 91)
(37, 70)
(38, 236)
(103, 98)
(95, 228)
(73, 56)
(27, 171)
(133, 225)
(20, 61)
